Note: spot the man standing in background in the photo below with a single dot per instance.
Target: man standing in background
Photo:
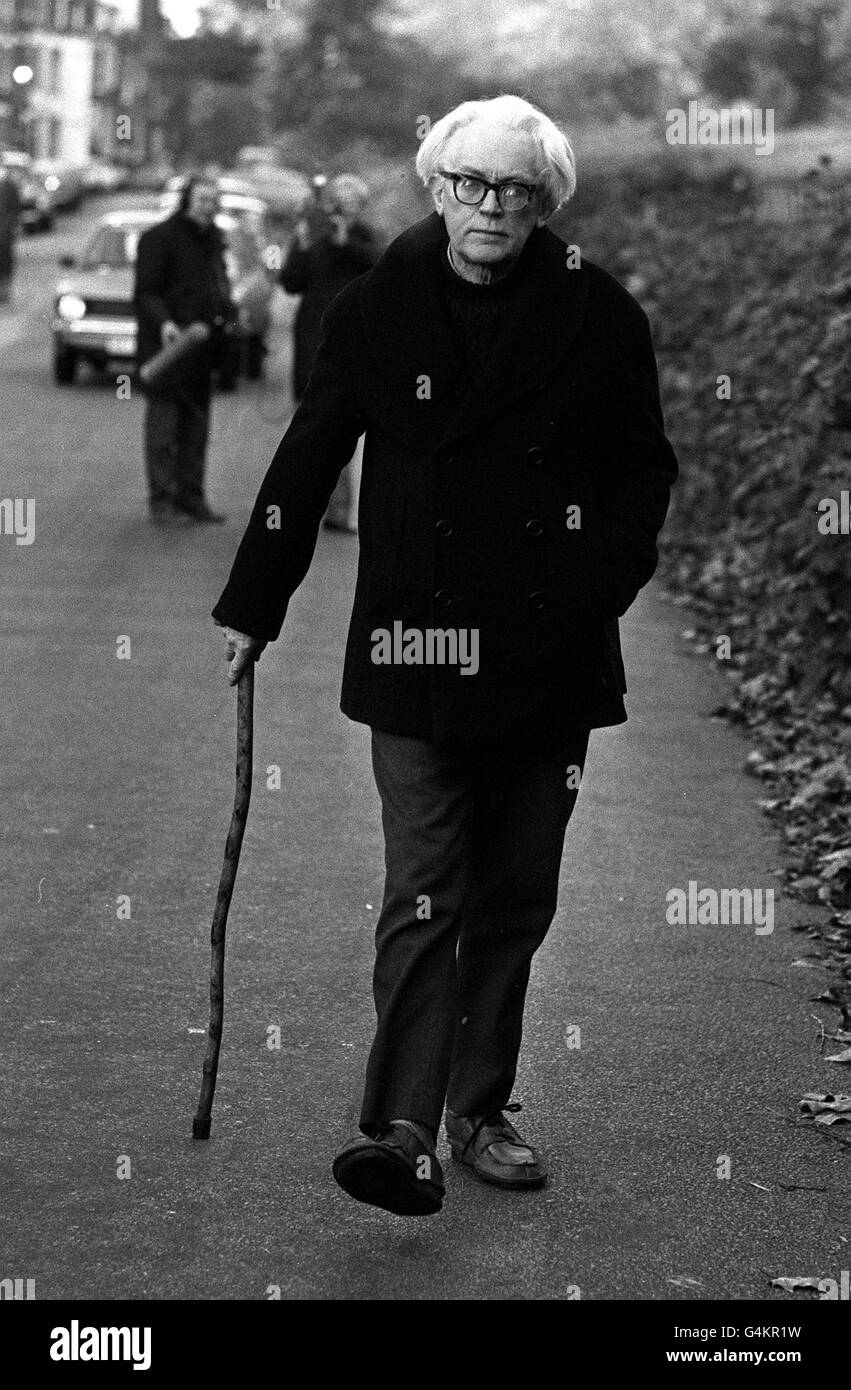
(10, 208)
(181, 279)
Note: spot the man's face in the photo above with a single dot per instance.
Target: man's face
(485, 235)
(203, 204)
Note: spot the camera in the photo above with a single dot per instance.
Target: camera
(317, 214)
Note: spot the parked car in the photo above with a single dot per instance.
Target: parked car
(256, 154)
(64, 183)
(149, 177)
(102, 177)
(284, 191)
(36, 205)
(94, 318)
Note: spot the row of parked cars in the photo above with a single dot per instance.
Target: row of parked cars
(49, 186)
(94, 320)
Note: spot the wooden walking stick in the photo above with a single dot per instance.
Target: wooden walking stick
(242, 797)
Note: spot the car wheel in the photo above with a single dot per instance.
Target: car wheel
(64, 365)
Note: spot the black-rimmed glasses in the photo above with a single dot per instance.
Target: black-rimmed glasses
(512, 196)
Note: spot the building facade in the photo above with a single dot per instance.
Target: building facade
(82, 67)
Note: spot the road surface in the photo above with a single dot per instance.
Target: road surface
(117, 777)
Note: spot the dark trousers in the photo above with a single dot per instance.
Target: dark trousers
(473, 847)
(176, 431)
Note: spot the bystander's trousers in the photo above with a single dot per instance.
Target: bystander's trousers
(176, 431)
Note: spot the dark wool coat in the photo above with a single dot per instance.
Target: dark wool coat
(180, 275)
(465, 494)
(318, 274)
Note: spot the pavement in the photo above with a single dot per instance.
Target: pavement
(116, 783)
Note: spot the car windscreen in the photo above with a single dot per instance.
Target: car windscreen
(114, 247)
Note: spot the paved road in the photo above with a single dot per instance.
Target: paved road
(696, 1042)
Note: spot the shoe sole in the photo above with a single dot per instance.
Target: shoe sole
(511, 1184)
(383, 1179)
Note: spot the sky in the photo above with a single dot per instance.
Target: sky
(182, 13)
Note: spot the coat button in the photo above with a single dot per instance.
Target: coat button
(535, 527)
(444, 598)
(535, 453)
(538, 599)
(443, 527)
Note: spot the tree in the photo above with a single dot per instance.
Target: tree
(215, 69)
(788, 47)
(349, 77)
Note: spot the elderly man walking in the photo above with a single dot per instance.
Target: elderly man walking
(515, 477)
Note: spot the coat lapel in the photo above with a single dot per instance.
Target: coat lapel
(410, 333)
(412, 336)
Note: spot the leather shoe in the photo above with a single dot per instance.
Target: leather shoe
(492, 1148)
(398, 1171)
(202, 513)
(167, 516)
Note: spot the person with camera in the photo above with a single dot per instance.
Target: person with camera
(182, 282)
(331, 246)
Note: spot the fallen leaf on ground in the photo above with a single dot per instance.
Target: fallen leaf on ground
(824, 1105)
(793, 1285)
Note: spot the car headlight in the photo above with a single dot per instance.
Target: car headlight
(70, 306)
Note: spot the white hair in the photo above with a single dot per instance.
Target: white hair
(557, 172)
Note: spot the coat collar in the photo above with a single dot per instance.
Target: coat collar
(410, 332)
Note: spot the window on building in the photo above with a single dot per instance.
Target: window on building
(33, 14)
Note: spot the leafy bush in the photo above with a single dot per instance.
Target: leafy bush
(764, 297)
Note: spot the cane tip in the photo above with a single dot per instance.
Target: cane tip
(201, 1127)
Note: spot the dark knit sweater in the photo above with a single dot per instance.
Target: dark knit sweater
(478, 311)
